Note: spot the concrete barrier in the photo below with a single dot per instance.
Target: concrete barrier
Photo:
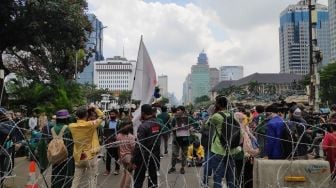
(291, 174)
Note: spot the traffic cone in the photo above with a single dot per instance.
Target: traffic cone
(32, 181)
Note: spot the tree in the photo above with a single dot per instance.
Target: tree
(270, 89)
(41, 38)
(47, 97)
(253, 87)
(200, 99)
(124, 97)
(92, 94)
(328, 83)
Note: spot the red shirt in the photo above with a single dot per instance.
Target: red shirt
(329, 146)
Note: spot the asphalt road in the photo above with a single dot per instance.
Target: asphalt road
(191, 178)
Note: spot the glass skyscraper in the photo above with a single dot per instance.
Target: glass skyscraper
(95, 42)
(200, 77)
(294, 37)
(332, 23)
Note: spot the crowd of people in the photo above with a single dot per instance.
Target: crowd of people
(223, 140)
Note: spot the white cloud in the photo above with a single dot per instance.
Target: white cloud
(238, 32)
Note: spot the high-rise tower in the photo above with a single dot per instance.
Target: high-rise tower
(294, 37)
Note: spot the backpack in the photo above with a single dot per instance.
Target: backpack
(230, 132)
(57, 151)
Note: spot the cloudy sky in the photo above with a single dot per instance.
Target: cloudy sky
(232, 32)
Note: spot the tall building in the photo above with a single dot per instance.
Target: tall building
(231, 72)
(114, 74)
(332, 23)
(200, 77)
(95, 43)
(186, 98)
(214, 77)
(294, 37)
(163, 85)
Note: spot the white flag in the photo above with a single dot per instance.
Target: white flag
(144, 78)
(144, 82)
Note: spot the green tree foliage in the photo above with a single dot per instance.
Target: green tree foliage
(124, 97)
(47, 97)
(253, 87)
(270, 89)
(40, 38)
(203, 98)
(328, 83)
(92, 94)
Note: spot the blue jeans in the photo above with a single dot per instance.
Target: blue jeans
(207, 170)
(223, 166)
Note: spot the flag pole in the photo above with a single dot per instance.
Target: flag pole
(136, 67)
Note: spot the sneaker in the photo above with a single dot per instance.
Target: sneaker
(171, 170)
(116, 172)
(106, 173)
(158, 173)
(182, 171)
(165, 153)
(146, 174)
(161, 156)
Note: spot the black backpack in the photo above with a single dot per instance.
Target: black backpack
(230, 132)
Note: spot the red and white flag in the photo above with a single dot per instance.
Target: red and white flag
(144, 82)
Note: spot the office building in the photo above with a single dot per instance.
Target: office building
(332, 24)
(114, 74)
(163, 85)
(200, 77)
(94, 44)
(214, 77)
(231, 72)
(186, 98)
(294, 37)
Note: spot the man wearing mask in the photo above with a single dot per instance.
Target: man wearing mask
(146, 155)
(111, 129)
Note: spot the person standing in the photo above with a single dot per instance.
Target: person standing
(62, 173)
(206, 140)
(165, 128)
(111, 128)
(329, 147)
(222, 162)
(181, 125)
(33, 121)
(86, 146)
(6, 135)
(126, 147)
(42, 121)
(275, 127)
(146, 155)
(295, 136)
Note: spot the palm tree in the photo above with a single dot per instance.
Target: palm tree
(270, 89)
(253, 87)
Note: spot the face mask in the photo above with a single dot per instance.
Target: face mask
(113, 117)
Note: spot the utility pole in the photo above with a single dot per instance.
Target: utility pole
(315, 57)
